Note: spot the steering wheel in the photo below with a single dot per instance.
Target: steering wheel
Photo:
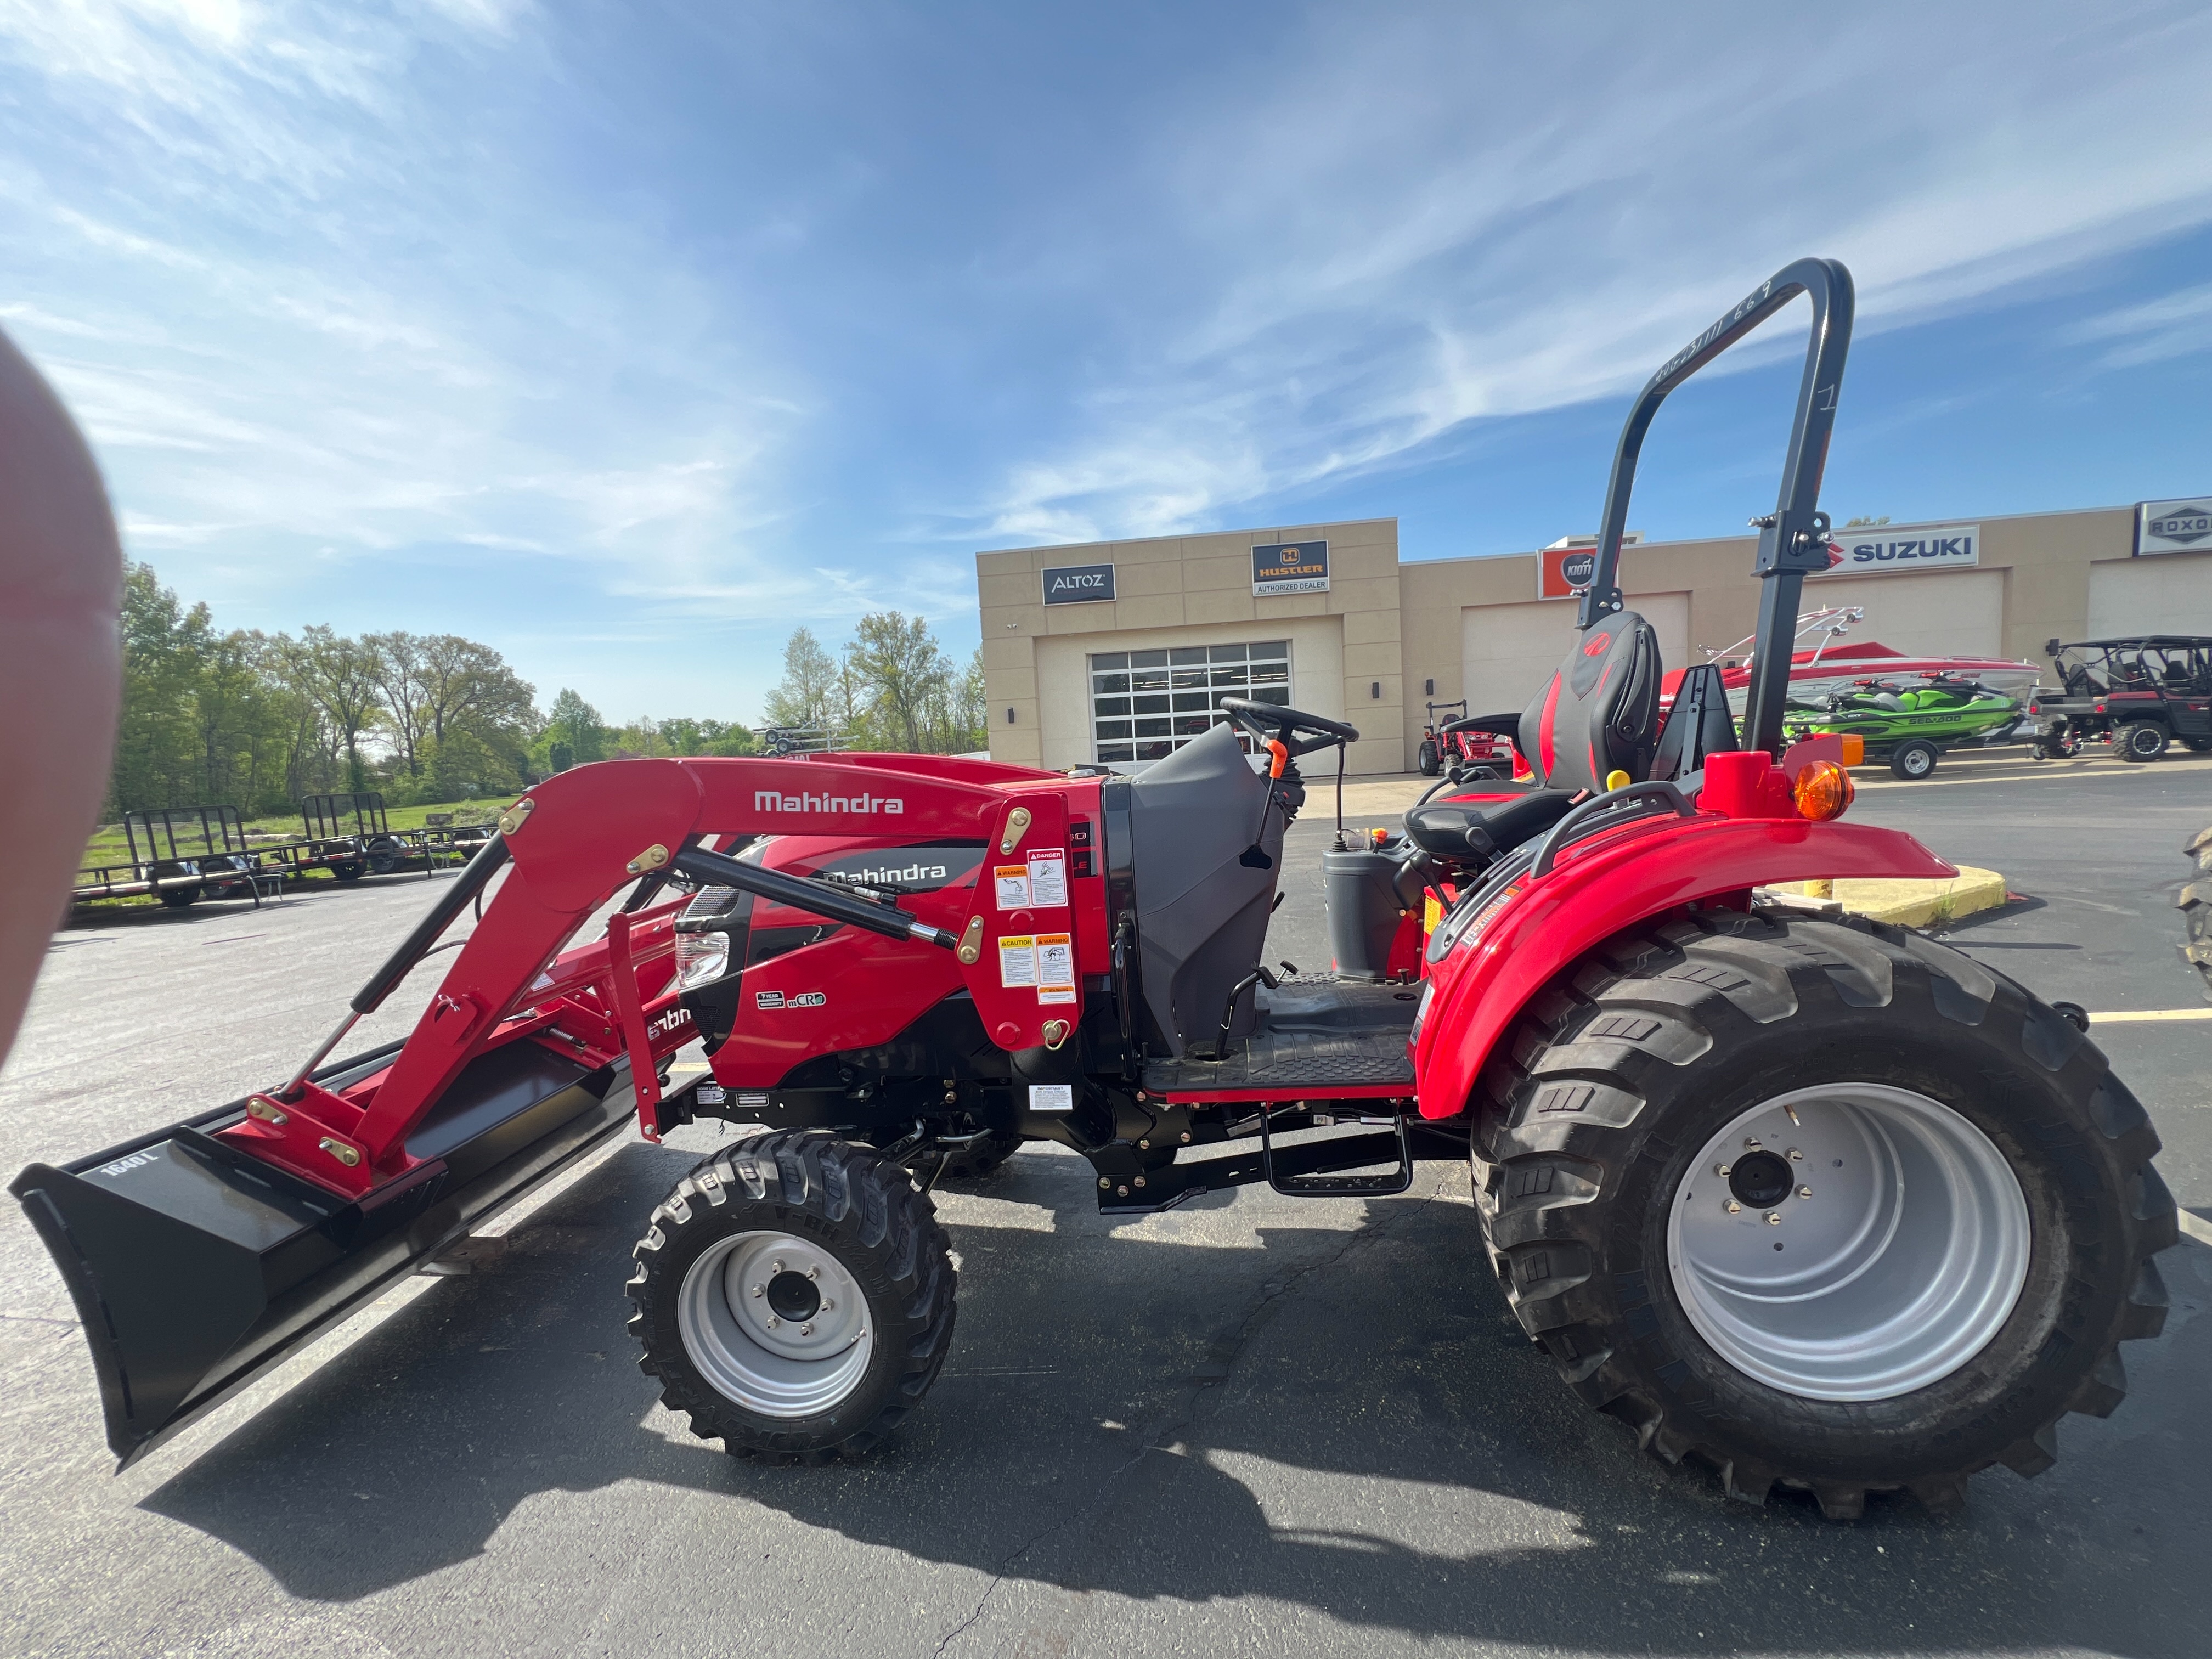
(1299, 732)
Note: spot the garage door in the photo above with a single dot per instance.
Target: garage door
(2170, 594)
(1507, 652)
(1951, 613)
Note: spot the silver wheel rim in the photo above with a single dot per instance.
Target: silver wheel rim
(1897, 1268)
(1919, 762)
(740, 1318)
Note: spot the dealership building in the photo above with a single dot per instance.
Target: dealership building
(1114, 651)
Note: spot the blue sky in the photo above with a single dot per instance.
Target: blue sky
(627, 336)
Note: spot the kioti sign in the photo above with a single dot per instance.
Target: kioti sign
(1291, 567)
(1564, 572)
(1078, 584)
(2175, 526)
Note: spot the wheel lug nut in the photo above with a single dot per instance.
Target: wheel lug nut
(806, 1329)
(1804, 1192)
(827, 1306)
(1732, 1207)
(1797, 1156)
(1722, 1169)
(1751, 1143)
(1773, 1219)
(760, 1290)
(814, 1273)
(773, 1322)
(776, 1266)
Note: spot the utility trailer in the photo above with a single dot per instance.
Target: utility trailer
(1817, 1201)
(181, 855)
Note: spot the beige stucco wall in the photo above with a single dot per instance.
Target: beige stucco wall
(1402, 625)
(1187, 590)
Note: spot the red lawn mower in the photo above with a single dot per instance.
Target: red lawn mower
(1818, 1200)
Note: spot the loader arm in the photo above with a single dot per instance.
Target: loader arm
(575, 842)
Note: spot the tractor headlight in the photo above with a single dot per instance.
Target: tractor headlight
(701, 958)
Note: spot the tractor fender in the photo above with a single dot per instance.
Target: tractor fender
(1606, 886)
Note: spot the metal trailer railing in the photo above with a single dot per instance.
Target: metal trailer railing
(194, 853)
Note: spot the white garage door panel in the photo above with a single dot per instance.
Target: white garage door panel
(2170, 594)
(1955, 613)
(1507, 652)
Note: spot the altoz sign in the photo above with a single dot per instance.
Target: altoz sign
(1884, 549)
(1291, 567)
(2175, 526)
(1078, 584)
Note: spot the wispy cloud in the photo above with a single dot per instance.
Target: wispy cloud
(1402, 223)
(2172, 325)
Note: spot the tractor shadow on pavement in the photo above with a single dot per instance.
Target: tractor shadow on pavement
(1335, 1419)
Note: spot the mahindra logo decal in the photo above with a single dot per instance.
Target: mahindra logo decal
(775, 800)
(1578, 568)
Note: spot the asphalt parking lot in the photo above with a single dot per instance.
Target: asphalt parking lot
(1256, 1424)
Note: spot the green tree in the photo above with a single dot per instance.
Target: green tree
(906, 679)
(573, 734)
(808, 693)
(339, 675)
(158, 759)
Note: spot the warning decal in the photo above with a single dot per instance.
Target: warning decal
(1047, 874)
(1011, 882)
(1018, 959)
(1056, 968)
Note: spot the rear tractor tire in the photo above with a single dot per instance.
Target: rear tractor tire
(1825, 1205)
(2195, 903)
(1913, 759)
(2141, 740)
(794, 1296)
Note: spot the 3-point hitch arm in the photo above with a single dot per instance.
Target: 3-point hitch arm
(1793, 539)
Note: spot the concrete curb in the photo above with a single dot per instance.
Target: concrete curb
(1910, 903)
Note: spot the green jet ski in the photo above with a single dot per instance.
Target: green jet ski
(1910, 724)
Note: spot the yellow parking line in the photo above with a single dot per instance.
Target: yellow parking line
(2136, 1016)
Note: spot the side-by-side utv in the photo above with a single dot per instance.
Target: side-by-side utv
(1818, 1200)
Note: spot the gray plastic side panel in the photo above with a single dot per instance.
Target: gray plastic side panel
(1201, 915)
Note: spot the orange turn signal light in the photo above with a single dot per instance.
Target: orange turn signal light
(1853, 749)
(1822, 791)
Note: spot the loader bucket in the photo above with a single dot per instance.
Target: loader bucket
(195, 1267)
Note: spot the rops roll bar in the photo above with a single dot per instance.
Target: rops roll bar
(1793, 538)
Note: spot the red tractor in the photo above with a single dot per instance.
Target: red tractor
(1818, 1200)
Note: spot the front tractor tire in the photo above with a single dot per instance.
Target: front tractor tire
(1828, 1206)
(1428, 758)
(794, 1297)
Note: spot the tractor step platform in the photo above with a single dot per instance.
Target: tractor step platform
(1336, 1037)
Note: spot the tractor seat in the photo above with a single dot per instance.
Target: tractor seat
(1597, 715)
(1476, 831)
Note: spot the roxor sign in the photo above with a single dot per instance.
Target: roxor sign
(1078, 584)
(2175, 526)
(1291, 567)
(1876, 550)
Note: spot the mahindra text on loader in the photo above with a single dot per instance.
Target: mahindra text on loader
(1815, 1199)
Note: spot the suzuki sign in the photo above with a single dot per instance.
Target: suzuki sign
(1884, 549)
(2183, 526)
(1078, 584)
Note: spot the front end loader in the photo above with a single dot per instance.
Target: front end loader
(1821, 1203)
